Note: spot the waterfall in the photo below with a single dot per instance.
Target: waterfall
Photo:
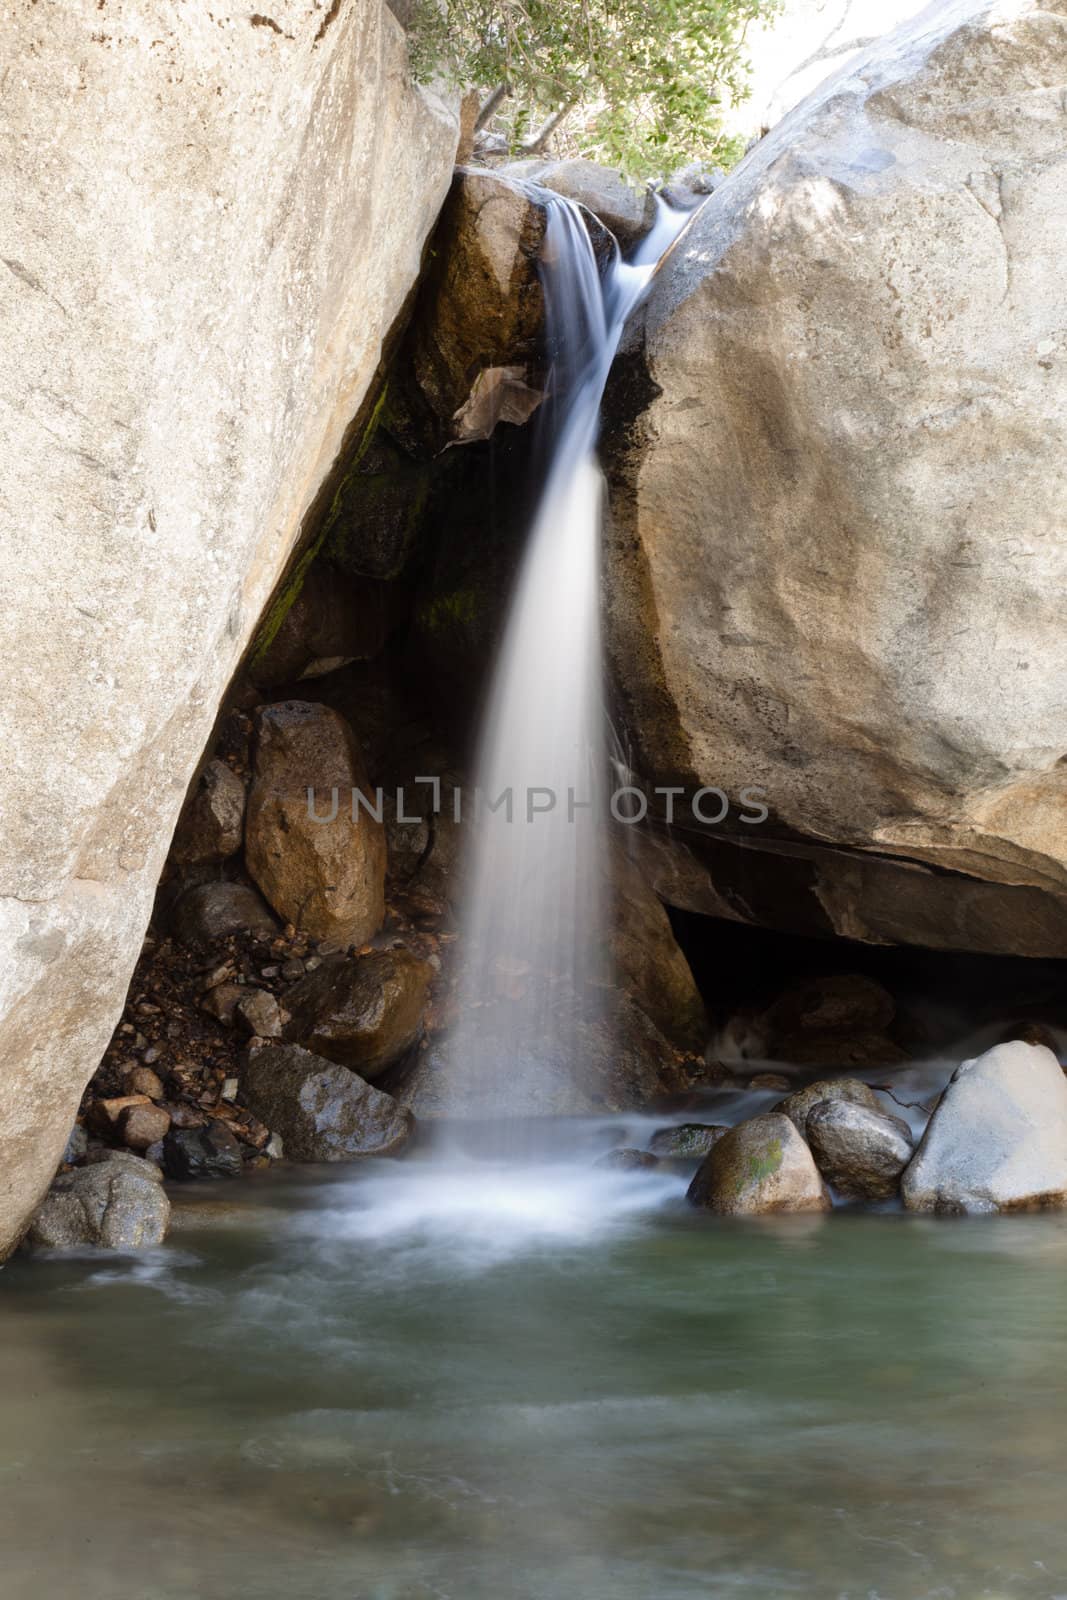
(534, 972)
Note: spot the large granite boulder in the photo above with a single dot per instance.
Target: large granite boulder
(211, 224)
(313, 842)
(833, 485)
(998, 1139)
(322, 1111)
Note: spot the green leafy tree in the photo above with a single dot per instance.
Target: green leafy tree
(639, 84)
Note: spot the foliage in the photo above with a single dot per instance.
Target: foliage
(638, 84)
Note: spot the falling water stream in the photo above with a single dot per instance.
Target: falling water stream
(533, 910)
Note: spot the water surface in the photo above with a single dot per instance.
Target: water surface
(445, 1380)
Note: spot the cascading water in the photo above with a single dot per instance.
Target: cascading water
(533, 933)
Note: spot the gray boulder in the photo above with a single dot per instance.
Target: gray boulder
(860, 1152)
(998, 1139)
(759, 1168)
(322, 1111)
(687, 1141)
(797, 1105)
(114, 1204)
(212, 911)
(835, 541)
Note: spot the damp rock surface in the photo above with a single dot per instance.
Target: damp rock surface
(761, 1167)
(322, 1111)
(114, 1204)
(860, 1152)
(364, 1013)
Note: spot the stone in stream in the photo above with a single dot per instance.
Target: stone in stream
(212, 911)
(210, 1151)
(321, 870)
(114, 1204)
(860, 1152)
(627, 1161)
(761, 1167)
(365, 1013)
(686, 1141)
(322, 1111)
(796, 1106)
(998, 1139)
(211, 826)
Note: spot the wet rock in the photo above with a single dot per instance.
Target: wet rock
(105, 1115)
(143, 1125)
(480, 309)
(627, 1161)
(322, 1111)
(211, 911)
(364, 1014)
(326, 877)
(687, 1140)
(860, 1152)
(110, 1205)
(210, 1151)
(998, 1138)
(211, 826)
(691, 184)
(758, 1168)
(258, 1012)
(797, 1105)
(769, 1080)
(626, 210)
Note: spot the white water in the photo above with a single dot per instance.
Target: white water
(533, 920)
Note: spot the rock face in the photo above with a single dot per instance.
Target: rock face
(998, 1139)
(185, 339)
(860, 1152)
(861, 528)
(211, 826)
(760, 1167)
(624, 208)
(364, 1014)
(323, 1111)
(117, 1204)
(474, 343)
(320, 863)
(849, 1091)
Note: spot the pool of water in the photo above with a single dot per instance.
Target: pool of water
(447, 1379)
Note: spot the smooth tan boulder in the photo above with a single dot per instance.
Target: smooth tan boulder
(210, 225)
(319, 860)
(836, 566)
(760, 1167)
(998, 1139)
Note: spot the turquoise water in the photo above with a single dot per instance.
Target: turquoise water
(449, 1381)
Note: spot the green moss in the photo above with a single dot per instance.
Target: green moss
(447, 611)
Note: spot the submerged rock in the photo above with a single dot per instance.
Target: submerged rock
(627, 1161)
(860, 1152)
(998, 1138)
(322, 1111)
(687, 1140)
(758, 1168)
(365, 1013)
(211, 826)
(114, 1204)
(796, 1106)
(326, 876)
